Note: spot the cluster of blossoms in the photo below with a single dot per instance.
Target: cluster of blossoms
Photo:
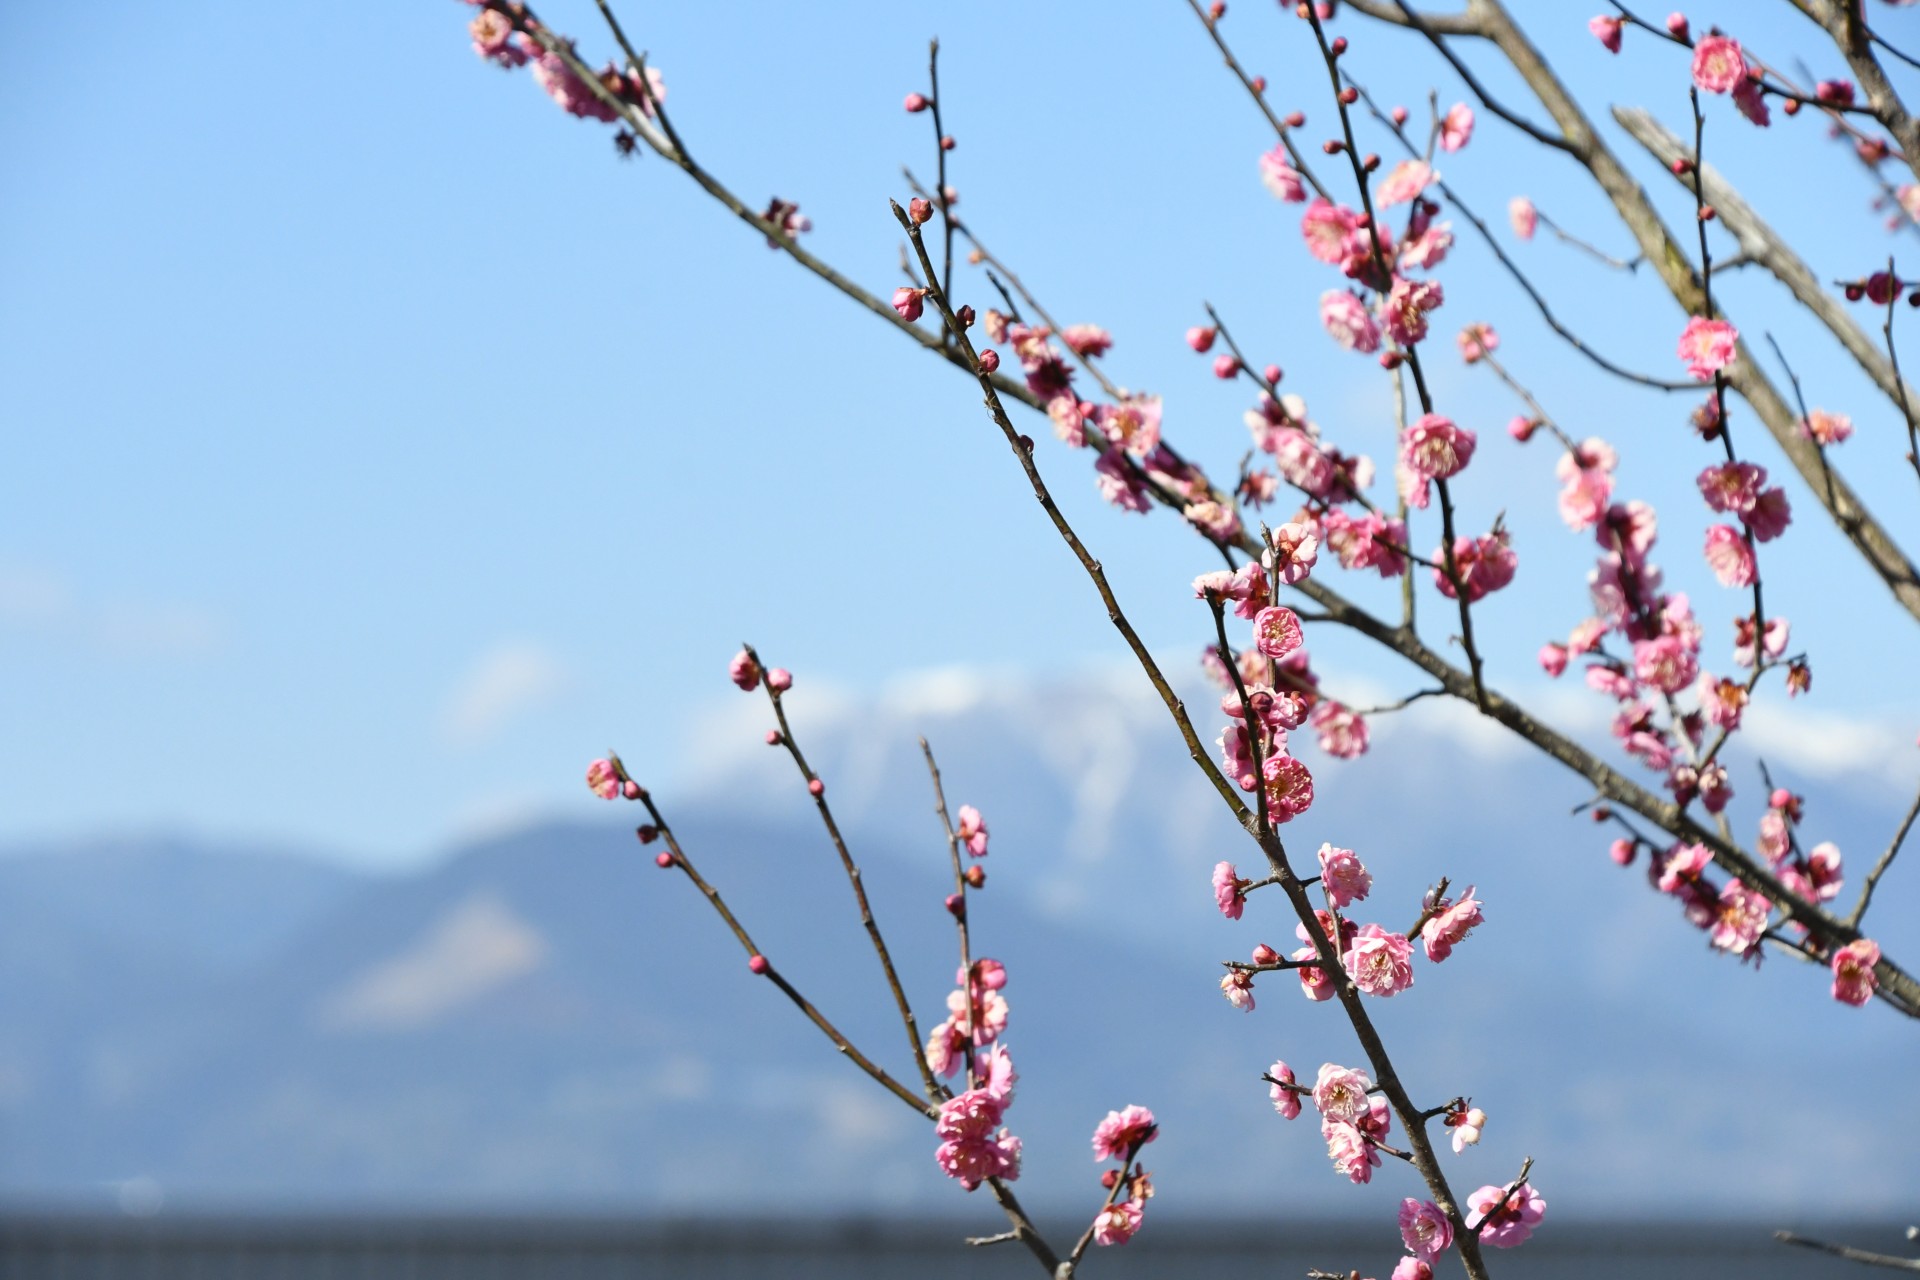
(976, 1015)
(1378, 960)
(974, 1145)
(1120, 1137)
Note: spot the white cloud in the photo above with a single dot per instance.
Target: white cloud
(507, 681)
(38, 601)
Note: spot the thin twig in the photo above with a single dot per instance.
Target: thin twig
(1850, 1253)
(1886, 860)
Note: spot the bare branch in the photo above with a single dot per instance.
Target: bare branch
(1850, 1253)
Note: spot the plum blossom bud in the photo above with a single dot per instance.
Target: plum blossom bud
(1524, 217)
(773, 738)
(647, 833)
(989, 360)
(916, 103)
(1521, 428)
(1259, 84)
(744, 671)
(630, 789)
(663, 859)
(758, 963)
(1286, 1100)
(603, 779)
(919, 210)
(947, 143)
(908, 302)
(972, 831)
(1399, 115)
(1225, 367)
(976, 877)
(1677, 25)
(956, 906)
(1200, 338)
(1466, 1126)
(1606, 29)
(1622, 851)
(965, 314)
(816, 788)
(779, 679)
(1553, 659)
(1264, 954)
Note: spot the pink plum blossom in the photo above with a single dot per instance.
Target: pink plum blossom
(1289, 788)
(1476, 340)
(972, 831)
(970, 1150)
(1351, 1151)
(1116, 1223)
(1511, 1224)
(1524, 217)
(1276, 631)
(1285, 1101)
(1827, 428)
(1732, 486)
(744, 671)
(1343, 732)
(1292, 552)
(1326, 228)
(1340, 1093)
(909, 302)
(1775, 641)
(1123, 1132)
(1343, 876)
(1237, 987)
(1740, 919)
(1717, 63)
(1466, 1126)
(1404, 182)
(492, 33)
(1120, 484)
(604, 779)
(1314, 982)
(784, 216)
(1729, 556)
(1722, 701)
(553, 74)
(1279, 176)
(996, 1068)
(1434, 448)
(1485, 564)
(1456, 127)
(1707, 346)
(1087, 339)
(1665, 663)
(1346, 318)
(1553, 658)
(1380, 962)
(1606, 29)
(1450, 926)
(1424, 1228)
(1854, 980)
(1412, 1267)
(1133, 425)
(1227, 893)
(1770, 515)
(1406, 307)
(1823, 871)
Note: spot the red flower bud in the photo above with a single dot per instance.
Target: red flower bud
(917, 102)
(758, 963)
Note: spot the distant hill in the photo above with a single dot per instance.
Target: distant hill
(545, 1019)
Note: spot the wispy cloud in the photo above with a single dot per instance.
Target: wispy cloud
(37, 601)
(508, 681)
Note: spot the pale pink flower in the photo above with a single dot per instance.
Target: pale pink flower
(1477, 340)
(1485, 564)
(1279, 176)
(1341, 1093)
(1751, 102)
(744, 671)
(990, 1007)
(1428, 249)
(1276, 631)
(1823, 871)
(1707, 346)
(1774, 843)
(1406, 308)
(1854, 980)
(1434, 448)
(1732, 486)
(1346, 318)
(1343, 732)
(1456, 127)
(1326, 228)
(909, 302)
(1404, 182)
(1828, 428)
(1512, 1224)
(1664, 663)
(569, 90)
(1770, 516)
(1380, 962)
(1351, 1151)
(1606, 29)
(1729, 556)
(1775, 642)
(1123, 1132)
(1120, 484)
(1237, 987)
(1583, 499)
(1424, 1228)
(1116, 1223)
(602, 777)
(1524, 217)
(1372, 542)
(946, 1048)
(1466, 1126)
(1717, 63)
(492, 33)
(996, 1068)
(1292, 553)
(1740, 918)
(1215, 519)
(972, 831)
(1553, 658)
(970, 1150)
(1343, 876)
(1087, 339)
(1226, 891)
(1289, 788)
(1450, 927)
(1315, 985)
(1412, 1268)
(1302, 462)
(1286, 1101)
(1722, 701)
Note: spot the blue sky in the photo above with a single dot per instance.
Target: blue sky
(381, 448)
